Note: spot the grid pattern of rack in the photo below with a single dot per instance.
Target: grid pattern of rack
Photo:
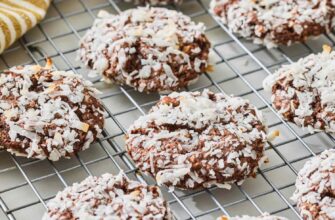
(27, 185)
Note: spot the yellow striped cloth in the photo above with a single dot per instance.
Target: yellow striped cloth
(18, 16)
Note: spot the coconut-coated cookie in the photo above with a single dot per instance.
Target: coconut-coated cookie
(149, 49)
(315, 188)
(303, 92)
(108, 197)
(275, 22)
(198, 139)
(46, 113)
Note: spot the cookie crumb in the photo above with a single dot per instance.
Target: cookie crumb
(326, 48)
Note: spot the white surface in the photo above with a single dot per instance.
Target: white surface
(57, 36)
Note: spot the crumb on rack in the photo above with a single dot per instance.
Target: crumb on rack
(273, 135)
(210, 69)
(326, 48)
(48, 64)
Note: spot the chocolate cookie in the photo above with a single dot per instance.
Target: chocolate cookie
(192, 140)
(149, 49)
(108, 197)
(303, 92)
(265, 216)
(275, 22)
(156, 2)
(46, 113)
(315, 188)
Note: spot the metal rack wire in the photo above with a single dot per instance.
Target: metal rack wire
(27, 185)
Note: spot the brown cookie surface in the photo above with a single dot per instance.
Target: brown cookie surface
(46, 113)
(108, 197)
(315, 188)
(149, 49)
(191, 140)
(275, 22)
(303, 92)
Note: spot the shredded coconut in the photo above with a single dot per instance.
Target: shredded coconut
(108, 197)
(150, 49)
(273, 22)
(193, 139)
(265, 216)
(315, 187)
(303, 92)
(39, 115)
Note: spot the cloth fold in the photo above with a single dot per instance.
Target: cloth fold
(17, 17)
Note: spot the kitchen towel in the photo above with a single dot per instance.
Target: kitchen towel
(17, 17)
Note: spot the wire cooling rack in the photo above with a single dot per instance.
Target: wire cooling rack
(27, 185)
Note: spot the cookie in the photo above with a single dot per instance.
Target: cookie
(193, 140)
(149, 49)
(46, 113)
(265, 216)
(315, 188)
(108, 197)
(156, 2)
(303, 92)
(275, 22)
